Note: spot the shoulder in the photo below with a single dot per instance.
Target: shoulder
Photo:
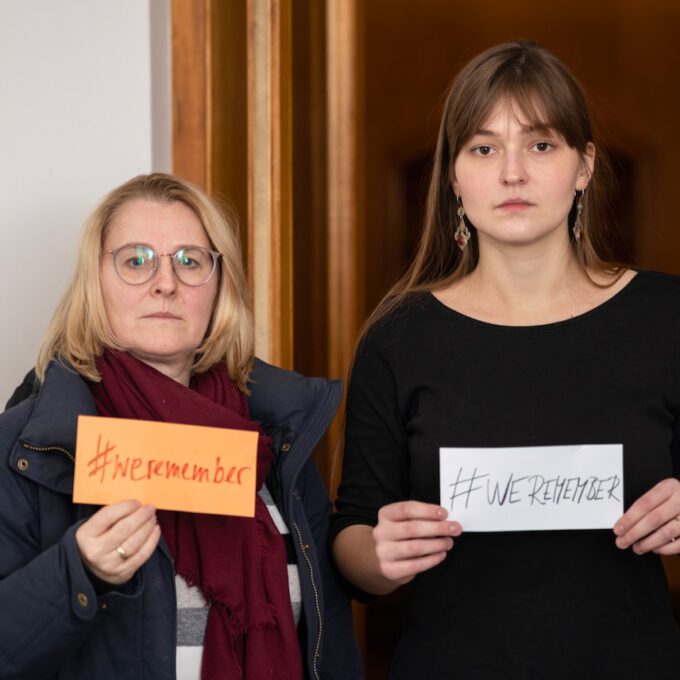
(410, 318)
(15, 418)
(271, 383)
(51, 410)
(29, 385)
(20, 406)
(653, 292)
(286, 397)
(657, 282)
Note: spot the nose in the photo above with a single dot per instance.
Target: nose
(164, 281)
(513, 170)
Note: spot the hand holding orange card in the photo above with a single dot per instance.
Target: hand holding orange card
(174, 467)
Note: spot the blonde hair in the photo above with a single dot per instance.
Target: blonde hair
(80, 331)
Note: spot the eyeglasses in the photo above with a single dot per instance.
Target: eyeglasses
(137, 263)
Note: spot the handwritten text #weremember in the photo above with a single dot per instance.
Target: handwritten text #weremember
(105, 465)
(531, 488)
(187, 468)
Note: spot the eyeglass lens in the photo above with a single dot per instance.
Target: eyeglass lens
(136, 264)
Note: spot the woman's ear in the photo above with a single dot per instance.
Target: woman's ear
(454, 184)
(587, 166)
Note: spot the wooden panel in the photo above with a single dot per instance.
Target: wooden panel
(310, 208)
(209, 98)
(190, 51)
(228, 108)
(345, 180)
(345, 263)
(281, 313)
(270, 177)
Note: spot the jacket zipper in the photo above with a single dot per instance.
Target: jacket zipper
(43, 449)
(304, 547)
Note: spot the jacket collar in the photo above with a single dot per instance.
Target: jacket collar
(287, 399)
(285, 403)
(45, 449)
(62, 394)
(280, 397)
(295, 411)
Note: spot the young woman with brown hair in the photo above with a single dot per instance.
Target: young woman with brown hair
(515, 327)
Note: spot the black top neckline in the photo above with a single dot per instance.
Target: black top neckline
(595, 311)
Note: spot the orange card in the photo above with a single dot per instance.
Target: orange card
(174, 467)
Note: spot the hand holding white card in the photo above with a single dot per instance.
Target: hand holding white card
(533, 488)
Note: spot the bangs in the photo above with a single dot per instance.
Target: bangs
(538, 94)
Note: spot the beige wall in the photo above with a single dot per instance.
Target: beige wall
(84, 86)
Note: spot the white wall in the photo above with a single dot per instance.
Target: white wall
(84, 105)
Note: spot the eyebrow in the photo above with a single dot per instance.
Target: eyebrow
(526, 130)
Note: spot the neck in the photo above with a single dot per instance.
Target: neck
(528, 284)
(533, 272)
(179, 371)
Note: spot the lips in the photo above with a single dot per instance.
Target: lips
(515, 201)
(515, 204)
(161, 315)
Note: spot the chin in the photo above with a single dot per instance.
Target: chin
(521, 236)
(155, 355)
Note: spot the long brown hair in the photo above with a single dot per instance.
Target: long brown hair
(539, 86)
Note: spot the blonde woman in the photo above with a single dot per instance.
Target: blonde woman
(155, 326)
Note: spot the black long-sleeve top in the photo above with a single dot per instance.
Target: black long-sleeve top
(522, 605)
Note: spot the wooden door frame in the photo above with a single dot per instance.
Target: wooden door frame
(270, 178)
(203, 114)
(206, 110)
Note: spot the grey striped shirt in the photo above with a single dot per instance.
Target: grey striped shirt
(192, 609)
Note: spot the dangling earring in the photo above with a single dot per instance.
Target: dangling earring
(462, 233)
(578, 227)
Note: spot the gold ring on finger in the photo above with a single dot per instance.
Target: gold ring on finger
(675, 519)
(124, 556)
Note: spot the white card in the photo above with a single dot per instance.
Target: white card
(533, 488)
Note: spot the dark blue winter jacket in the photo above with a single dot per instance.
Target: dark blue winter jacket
(53, 622)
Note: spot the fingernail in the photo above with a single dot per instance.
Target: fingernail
(621, 543)
(637, 550)
(618, 529)
(442, 513)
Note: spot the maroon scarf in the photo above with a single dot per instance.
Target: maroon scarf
(238, 563)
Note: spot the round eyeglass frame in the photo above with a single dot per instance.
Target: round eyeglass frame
(157, 261)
